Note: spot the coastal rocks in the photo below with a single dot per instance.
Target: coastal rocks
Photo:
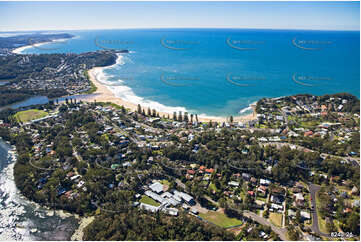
(78, 234)
(21, 219)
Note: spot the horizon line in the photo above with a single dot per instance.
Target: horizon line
(149, 28)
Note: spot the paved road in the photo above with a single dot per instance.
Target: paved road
(282, 232)
(313, 190)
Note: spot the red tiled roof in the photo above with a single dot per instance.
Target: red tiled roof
(263, 188)
(191, 172)
(308, 133)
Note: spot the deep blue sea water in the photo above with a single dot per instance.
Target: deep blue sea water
(220, 72)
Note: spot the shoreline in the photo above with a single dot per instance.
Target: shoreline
(22, 48)
(20, 199)
(103, 94)
(79, 232)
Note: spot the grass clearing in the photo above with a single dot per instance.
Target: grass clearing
(213, 187)
(321, 221)
(263, 199)
(164, 182)
(220, 219)
(148, 200)
(276, 219)
(309, 124)
(93, 88)
(28, 115)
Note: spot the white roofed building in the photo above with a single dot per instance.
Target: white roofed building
(148, 207)
(154, 196)
(156, 187)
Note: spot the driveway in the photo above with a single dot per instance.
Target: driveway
(282, 232)
(313, 190)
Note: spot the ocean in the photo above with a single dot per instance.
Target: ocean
(220, 72)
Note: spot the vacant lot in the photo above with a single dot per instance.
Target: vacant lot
(165, 182)
(213, 187)
(321, 221)
(276, 219)
(148, 200)
(31, 114)
(220, 219)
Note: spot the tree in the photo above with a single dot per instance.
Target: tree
(266, 213)
(149, 113)
(222, 202)
(175, 116)
(186, 117)
(192, 118)
(292, 233)
(139, 110)
(180, 118)
(298, 216)
(231, 119)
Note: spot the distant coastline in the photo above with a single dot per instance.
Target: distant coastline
(19, 50)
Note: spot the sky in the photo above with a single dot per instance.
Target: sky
(25, 16)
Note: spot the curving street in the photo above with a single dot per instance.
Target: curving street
(315, 228)
(282, 232)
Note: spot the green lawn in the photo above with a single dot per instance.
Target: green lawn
(321, 221)
(213, 187)
(31, 114)
(148, 200)
(93, 88)
(276, 219)
(309, 124)
(165, 182)
(264, 199)
(220, 219)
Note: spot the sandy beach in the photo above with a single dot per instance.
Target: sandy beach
(22, 48)
(103, 94)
